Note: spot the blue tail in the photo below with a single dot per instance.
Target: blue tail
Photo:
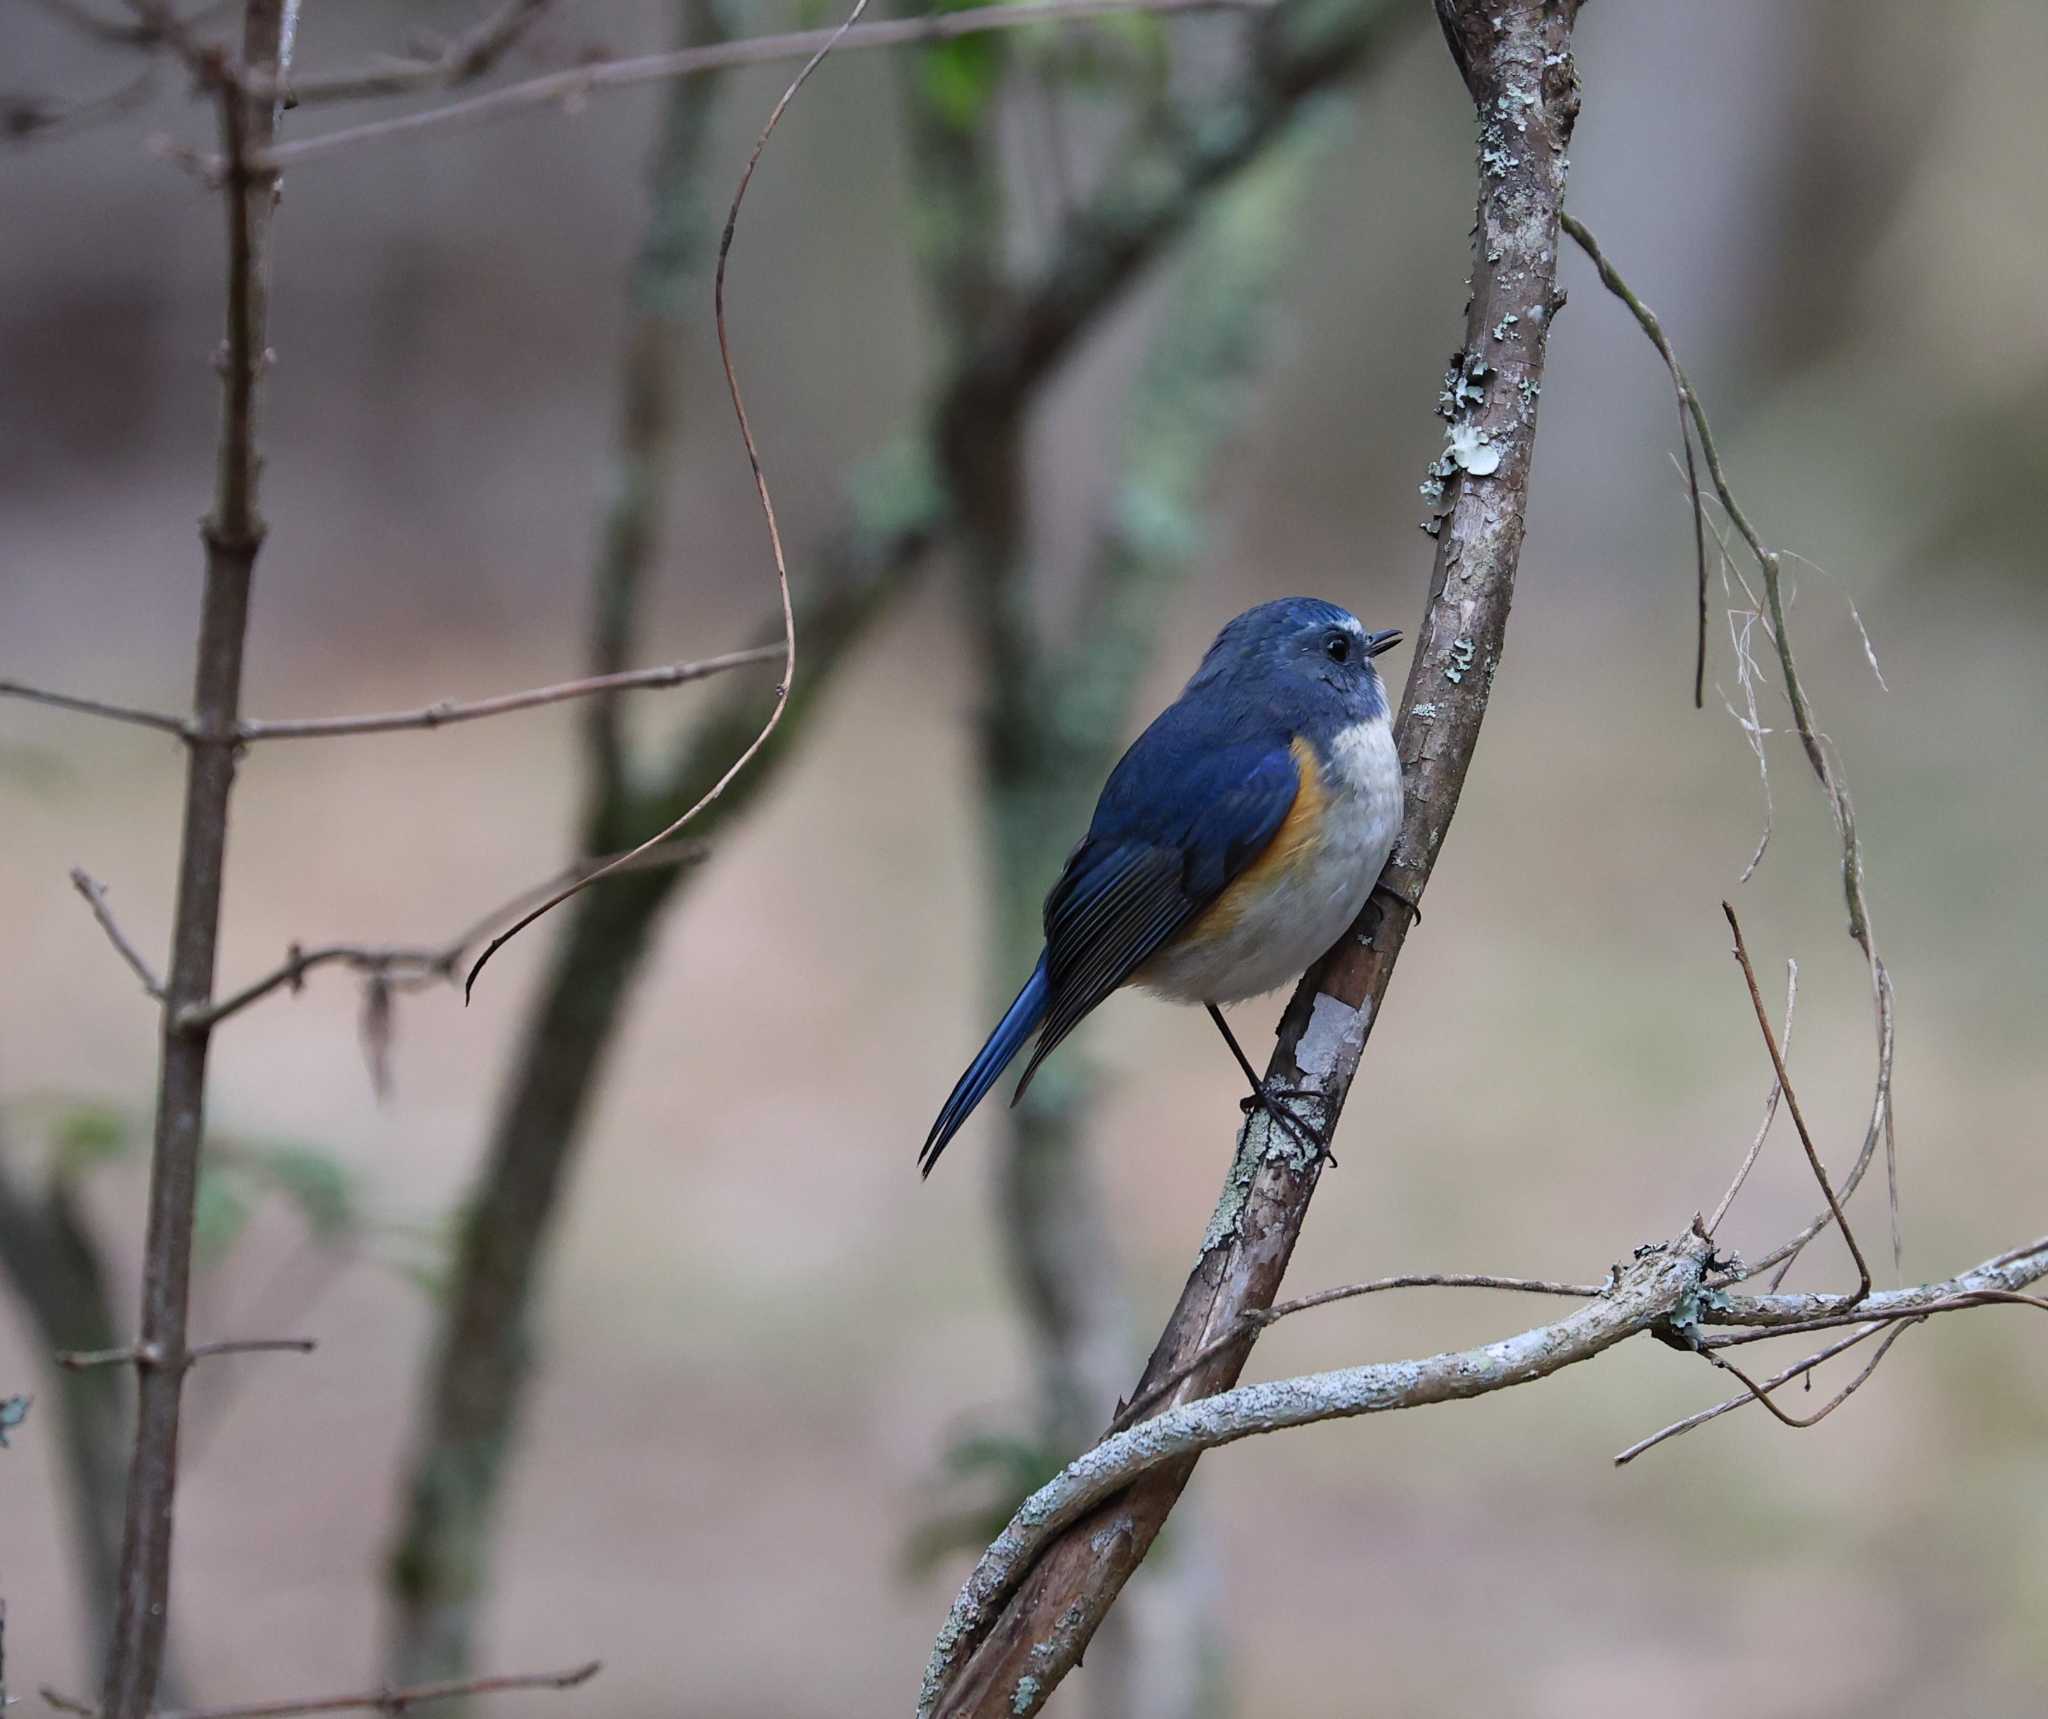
(987, 1068)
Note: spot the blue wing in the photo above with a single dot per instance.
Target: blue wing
(1177, 821)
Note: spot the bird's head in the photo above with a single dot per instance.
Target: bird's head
(1300, 653)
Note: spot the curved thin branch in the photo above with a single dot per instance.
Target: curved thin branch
(1676, 1428)
(732, 383)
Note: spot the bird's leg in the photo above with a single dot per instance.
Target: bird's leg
(1260, 1099)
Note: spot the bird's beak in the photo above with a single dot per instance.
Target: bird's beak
(1375, 643)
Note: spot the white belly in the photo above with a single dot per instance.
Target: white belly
(1273, 941)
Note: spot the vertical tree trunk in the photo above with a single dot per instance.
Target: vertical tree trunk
(233, 534)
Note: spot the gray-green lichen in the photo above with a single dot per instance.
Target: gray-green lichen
(1027, 1694)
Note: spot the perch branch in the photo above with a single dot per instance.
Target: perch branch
(1009, 1641)
(393, 1701)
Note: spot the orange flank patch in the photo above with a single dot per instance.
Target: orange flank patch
(1299, 835)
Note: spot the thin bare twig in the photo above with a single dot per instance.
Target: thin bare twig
(1762, 1393)
(1682, 388)
(1254, 1320)
(1878, 1128)
(1814, 743)
(1721, 1408)
(143, 32)
(149, 1355)
(1763, 1022)
(1777, 1092)
(37, 119)
(377, 1700)
(95, 894)
(461, 59)
(1995, 1282)
(577, 82)
(449, 711)
(158, 719)
(160, 23)
(732, 383)
(412, 966)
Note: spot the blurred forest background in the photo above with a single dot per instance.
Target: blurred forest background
(758, 1337)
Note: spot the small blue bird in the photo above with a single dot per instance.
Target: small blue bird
(1232, 844)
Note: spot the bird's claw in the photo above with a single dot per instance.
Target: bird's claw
(1290, 1119)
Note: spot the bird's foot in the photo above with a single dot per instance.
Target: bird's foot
(1286, 1116)
(1392, 894)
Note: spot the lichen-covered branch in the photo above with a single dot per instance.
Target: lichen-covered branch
(1007, 1644)
(1665, 1288)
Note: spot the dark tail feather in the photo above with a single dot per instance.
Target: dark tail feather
(987, 1068)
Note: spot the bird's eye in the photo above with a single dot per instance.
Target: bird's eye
(1337, 647)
